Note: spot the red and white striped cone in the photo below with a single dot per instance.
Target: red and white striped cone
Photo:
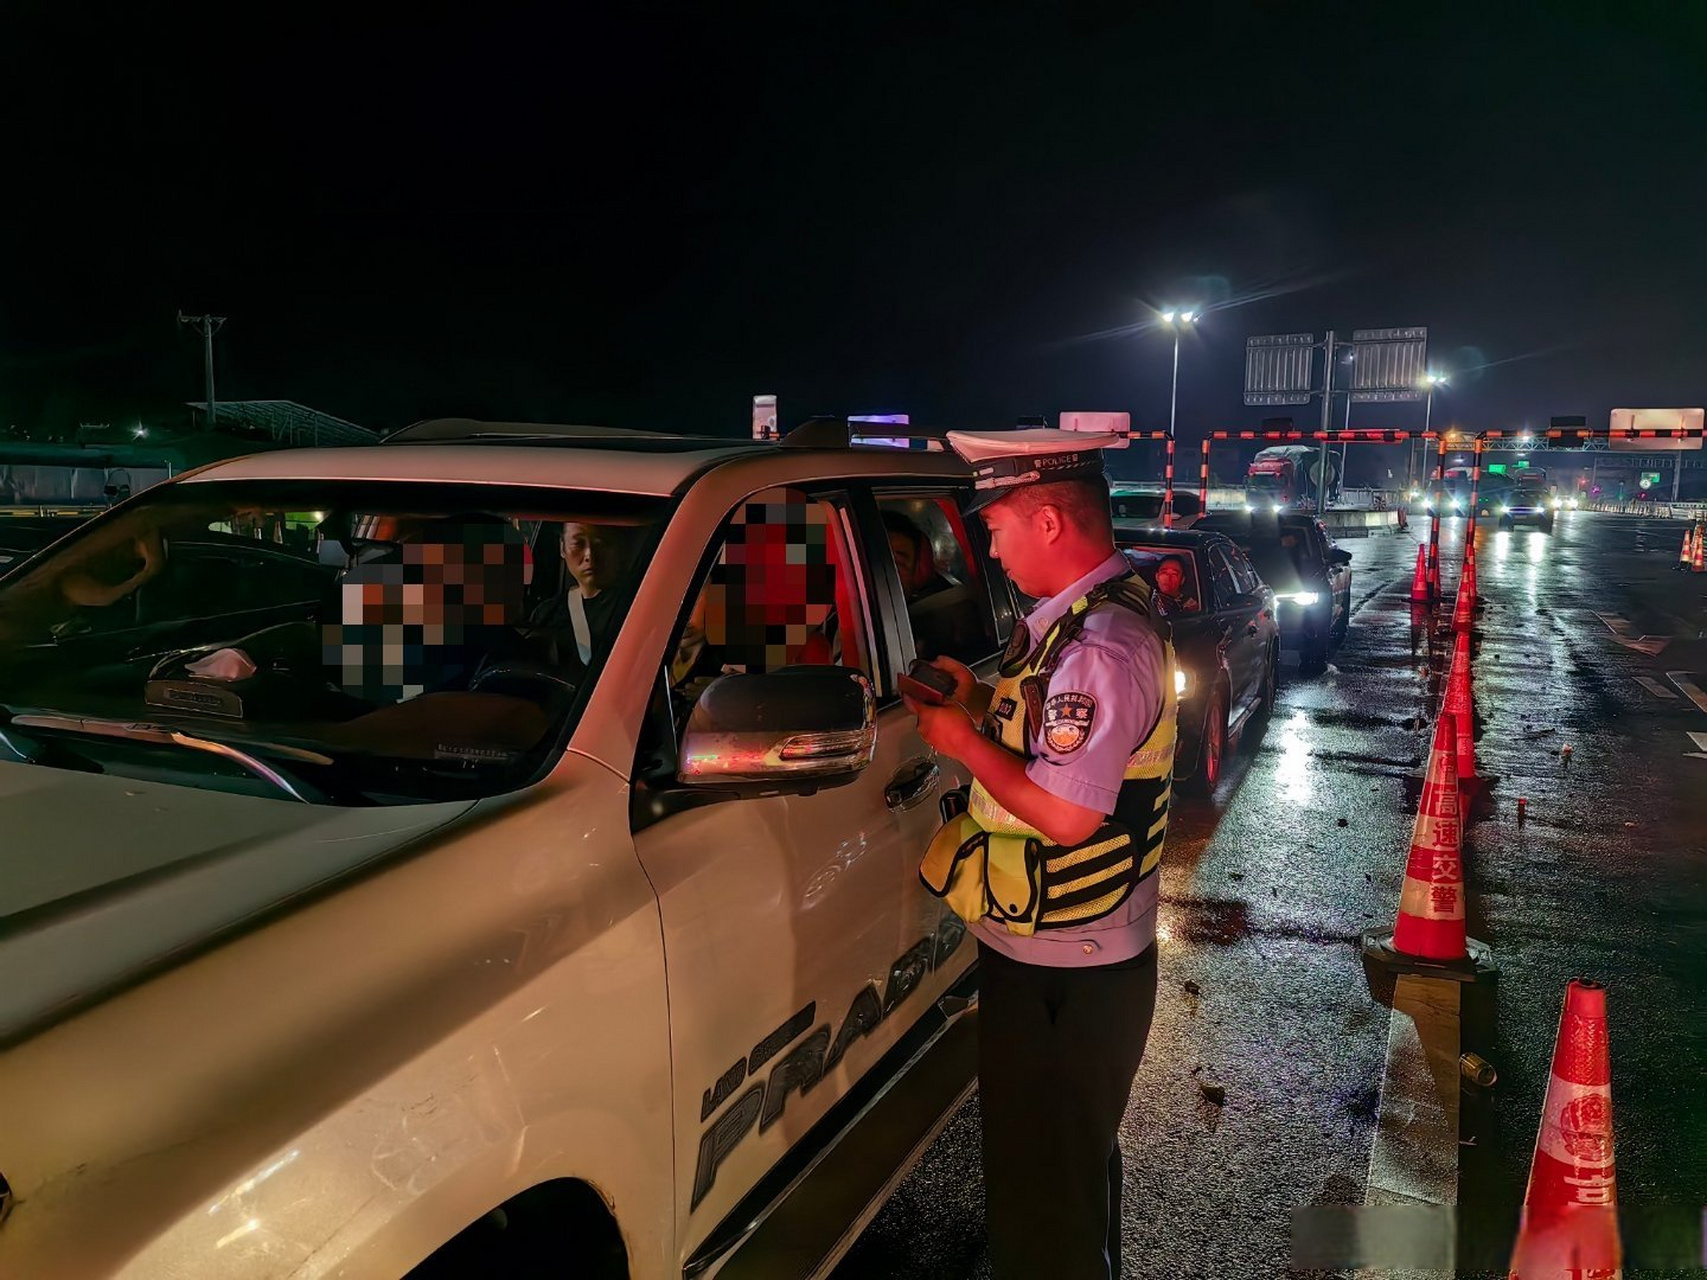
(1687, 556)
(1429, 935)
(1460, 705)
(1464, 611)
(1419, 579)
(1570, 1211)
(1695, 556)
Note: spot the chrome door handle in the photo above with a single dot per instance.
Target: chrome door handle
(912, 784)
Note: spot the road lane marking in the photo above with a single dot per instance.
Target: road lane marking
(1615, 623)
(1700, 741)
(1688, 688)
(1620, 627)
(1654, 687)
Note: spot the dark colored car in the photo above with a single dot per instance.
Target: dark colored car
(1311, 577)
(1528, 503)
(1226, 639)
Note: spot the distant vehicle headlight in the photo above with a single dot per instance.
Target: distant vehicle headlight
(1302, 598)
(1180, 682)
(1504, 510)
(1250, 510)
(1278, 508)
(1457, 508)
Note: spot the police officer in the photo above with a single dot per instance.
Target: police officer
(1054, 864)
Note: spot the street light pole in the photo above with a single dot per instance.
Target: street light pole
(1176, 320)
(1433, 380)
(207, 326)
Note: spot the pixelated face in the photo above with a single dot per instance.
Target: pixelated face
(1170, 577)
(774, 584)
(595, 554)
(404, 628)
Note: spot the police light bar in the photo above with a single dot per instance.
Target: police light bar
(1119, 424)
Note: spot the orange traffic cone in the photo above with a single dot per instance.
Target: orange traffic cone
(1433, 572)
(1570, 1211)
(1470, 582)
(1429, 935)
(1687, 555)
(1460, 704)
(1464, 611)
(1419, 579)
(1695, 564)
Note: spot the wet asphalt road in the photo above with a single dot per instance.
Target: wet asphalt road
(1266, 890)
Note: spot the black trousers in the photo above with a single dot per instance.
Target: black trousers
(1057, 1053)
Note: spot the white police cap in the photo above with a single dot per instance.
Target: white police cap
(1003, 461)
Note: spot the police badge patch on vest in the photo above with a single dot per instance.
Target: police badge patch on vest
(1067, 721)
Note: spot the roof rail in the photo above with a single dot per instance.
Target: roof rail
(445, 430)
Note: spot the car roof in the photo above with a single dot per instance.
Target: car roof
(1154, 535)
(610, 459)
(1245, 524)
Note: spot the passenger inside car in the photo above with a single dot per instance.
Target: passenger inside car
(944, 611)
(572, 624)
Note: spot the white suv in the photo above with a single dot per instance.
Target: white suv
(376, 900)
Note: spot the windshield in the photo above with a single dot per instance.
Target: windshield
(339, 642)
(1266, 481)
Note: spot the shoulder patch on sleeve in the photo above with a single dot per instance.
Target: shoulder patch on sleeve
(1067, 719)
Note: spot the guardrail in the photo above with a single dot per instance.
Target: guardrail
(1661, 510)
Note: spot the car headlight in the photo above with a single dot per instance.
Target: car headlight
(1250, 510)
(1278, 509)
(1457, 509)
(1504, 510)
(1428, 506)
(1302, 598)
(1179, 682)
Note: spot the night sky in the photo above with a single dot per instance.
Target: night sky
(562, 214)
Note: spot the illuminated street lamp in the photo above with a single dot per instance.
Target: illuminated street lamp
(1177, 320)
(1431, 381)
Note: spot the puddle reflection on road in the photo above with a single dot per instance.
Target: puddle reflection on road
(1294, 778)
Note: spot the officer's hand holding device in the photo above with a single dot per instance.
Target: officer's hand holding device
(928, 684)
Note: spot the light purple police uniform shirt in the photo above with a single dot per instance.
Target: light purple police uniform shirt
(1114, 669)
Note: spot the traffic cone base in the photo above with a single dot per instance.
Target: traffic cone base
(1429, 934)
(1570, 1205)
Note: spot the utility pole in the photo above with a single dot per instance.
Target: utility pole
(1327, 399)
(207, 326)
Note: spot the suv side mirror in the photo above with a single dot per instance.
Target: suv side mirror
(1339, 555)
(795, 729)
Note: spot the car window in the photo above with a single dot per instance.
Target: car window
(1162, 567)
(939, 557)
(372, 639)
(1245, 577)
(784, 587)
(1222, 574)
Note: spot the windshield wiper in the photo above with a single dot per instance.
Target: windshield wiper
(139, 731)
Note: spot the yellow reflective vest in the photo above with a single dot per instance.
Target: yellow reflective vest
(987, 864)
